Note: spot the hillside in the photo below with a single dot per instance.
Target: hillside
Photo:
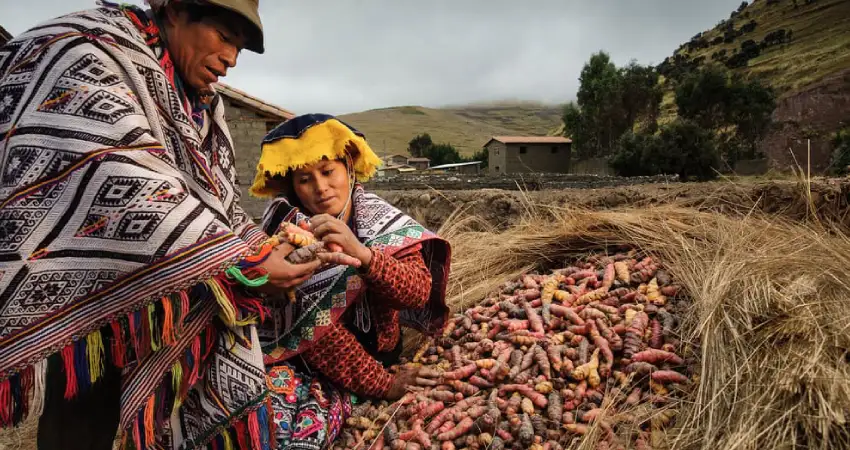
(468, 128)
(799, 47)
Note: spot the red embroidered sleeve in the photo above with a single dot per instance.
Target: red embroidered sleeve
(342, 359)
(401, 281)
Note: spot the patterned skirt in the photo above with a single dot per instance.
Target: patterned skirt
(309, 411)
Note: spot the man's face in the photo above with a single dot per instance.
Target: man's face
(202, 51)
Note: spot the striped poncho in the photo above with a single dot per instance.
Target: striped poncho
(118, 215)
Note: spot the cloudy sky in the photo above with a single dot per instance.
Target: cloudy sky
(342, 56)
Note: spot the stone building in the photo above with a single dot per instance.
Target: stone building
(249, 119)
(419, 163)
(395, 160)
(526, 154)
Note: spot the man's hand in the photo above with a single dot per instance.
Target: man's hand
(333, 231)
(284, 275)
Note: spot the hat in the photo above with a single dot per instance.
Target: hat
(250, 10)
(307, 139)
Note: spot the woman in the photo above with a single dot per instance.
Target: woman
(123, 238)
(344, 326)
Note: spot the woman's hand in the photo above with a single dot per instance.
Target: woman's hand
(284, 275)
(407, 378)
(331, 230)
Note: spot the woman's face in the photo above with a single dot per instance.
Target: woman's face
(202, 51)
(323, 188)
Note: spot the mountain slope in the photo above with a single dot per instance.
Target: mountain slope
(799, 47)
(800, 43)
(467, 128)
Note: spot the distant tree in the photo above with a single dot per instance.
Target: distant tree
(641, 95)
(610, 101)
(418, 145)
(702, 97)
(482, 155)
(600, 101)
(750, 109)
(576, 129)
(442, 154)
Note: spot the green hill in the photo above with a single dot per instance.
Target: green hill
(468, 128)
(798, 42)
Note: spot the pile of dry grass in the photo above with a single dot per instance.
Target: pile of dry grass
(770, 317)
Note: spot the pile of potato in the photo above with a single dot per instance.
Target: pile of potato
(542, 361)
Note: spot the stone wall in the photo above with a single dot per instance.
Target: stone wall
(247, 129)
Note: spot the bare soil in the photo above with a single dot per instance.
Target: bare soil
(828, 201)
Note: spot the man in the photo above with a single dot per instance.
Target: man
(120, 230)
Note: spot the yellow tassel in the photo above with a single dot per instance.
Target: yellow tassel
(94, 350)
(151, 310)
(176, 376)
(228, 443)
(228, 311)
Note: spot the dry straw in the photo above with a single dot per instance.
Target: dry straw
(769, 319)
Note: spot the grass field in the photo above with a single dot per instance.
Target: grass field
(467, 128)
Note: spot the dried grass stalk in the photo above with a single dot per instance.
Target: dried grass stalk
(770, 317)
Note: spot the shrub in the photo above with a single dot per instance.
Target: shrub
(689, 151)
(840, 163)
(627, 161)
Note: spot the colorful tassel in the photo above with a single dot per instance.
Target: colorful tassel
(150, 426)
(5, 403)
(228, 310)
(215, 443)
(144, 334)
(241, 432)
(168, 337)
(153, 333)
(95, 353)
(195, 355)
(118, 349)
(27, 381)
(137, 433)
(209, 342)
(135, 331)
(254, 430)
(70, 373)
(81, 365)
(161, 400)
(184, 305)
(270, 415)
(176, 376)
(38, 390)
(263, 423)
(228, 443)
(17, 394)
